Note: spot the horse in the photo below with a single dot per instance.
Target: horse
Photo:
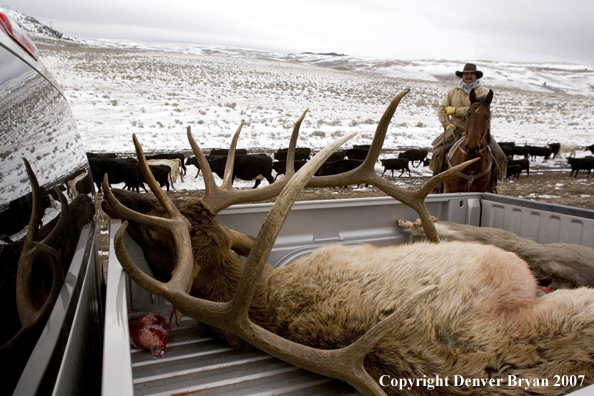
(477, 177)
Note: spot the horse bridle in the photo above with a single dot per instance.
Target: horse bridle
(469, 178)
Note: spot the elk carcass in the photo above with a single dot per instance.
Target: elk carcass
(364, 314)
(556, 265)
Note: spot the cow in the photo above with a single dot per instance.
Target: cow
(161, 174)
(301, 153)
(118, 170)
(521, 150)
(539, 151)
(246, 167)
(415, 155)
(396, 164)
(280, 166)
(513, 171)
(524, 164)
(224, 152)
(171, 156)
(580, 164)
(507, 148)
(340, 166)
(356, 153)
(174, 168)
(555, 147)
(590, 147)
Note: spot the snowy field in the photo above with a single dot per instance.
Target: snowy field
(156, 90)
(116, 90)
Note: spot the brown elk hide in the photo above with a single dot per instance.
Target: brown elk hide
(562, 265)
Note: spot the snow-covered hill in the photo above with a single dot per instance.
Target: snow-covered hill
(564, 78)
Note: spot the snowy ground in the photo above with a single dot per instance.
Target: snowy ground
(115, 91)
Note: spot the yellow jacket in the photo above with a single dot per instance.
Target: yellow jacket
(461, 101)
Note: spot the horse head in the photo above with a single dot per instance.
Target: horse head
(478, 121)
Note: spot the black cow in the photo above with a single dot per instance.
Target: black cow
(415, 155)
(507, 148)
(555, 147)
(336, 156)
(539, 151)
(521, 150)
(225, 152)
(513, 171)
(301, 153)
(160, 173)
(119, 170)
(580, 164)
(340, 166)
(179, 156)
(193, 161)
(246, 167)
(524, 164)
(396, 164)
(357, 153)
(590, 147)
(16, 216)
(280, 167)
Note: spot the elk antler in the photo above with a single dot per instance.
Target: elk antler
(217, 198)
(365, 173)
(32, 317)
(345, 363)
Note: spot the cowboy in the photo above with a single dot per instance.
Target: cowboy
(451, 114)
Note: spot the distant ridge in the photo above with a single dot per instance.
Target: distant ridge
(323, 53)
(32, 26)
(544, 77)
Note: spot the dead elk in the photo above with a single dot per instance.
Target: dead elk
(555, 265)
(358, 314)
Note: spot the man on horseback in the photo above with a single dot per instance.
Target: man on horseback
(451, 114)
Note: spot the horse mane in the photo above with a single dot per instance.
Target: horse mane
(483, 100)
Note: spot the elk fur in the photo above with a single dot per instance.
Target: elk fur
(561, 265)
(483, 321)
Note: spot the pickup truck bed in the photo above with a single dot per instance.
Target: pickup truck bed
(196, 363)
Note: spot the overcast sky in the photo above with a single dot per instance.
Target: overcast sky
(503, 30)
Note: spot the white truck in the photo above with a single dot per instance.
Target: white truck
(197, 363)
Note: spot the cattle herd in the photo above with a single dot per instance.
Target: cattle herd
(168, 167)
(251, 166)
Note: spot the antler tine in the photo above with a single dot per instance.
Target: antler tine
(361, 173)
(218, 198)
(154, 186)
(177, 225)
(228, 176)
(365, 173)
(273, 224)
(290, 162)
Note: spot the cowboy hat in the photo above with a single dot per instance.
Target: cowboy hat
(470, 68)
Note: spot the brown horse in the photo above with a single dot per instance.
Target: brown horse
(477, 177)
